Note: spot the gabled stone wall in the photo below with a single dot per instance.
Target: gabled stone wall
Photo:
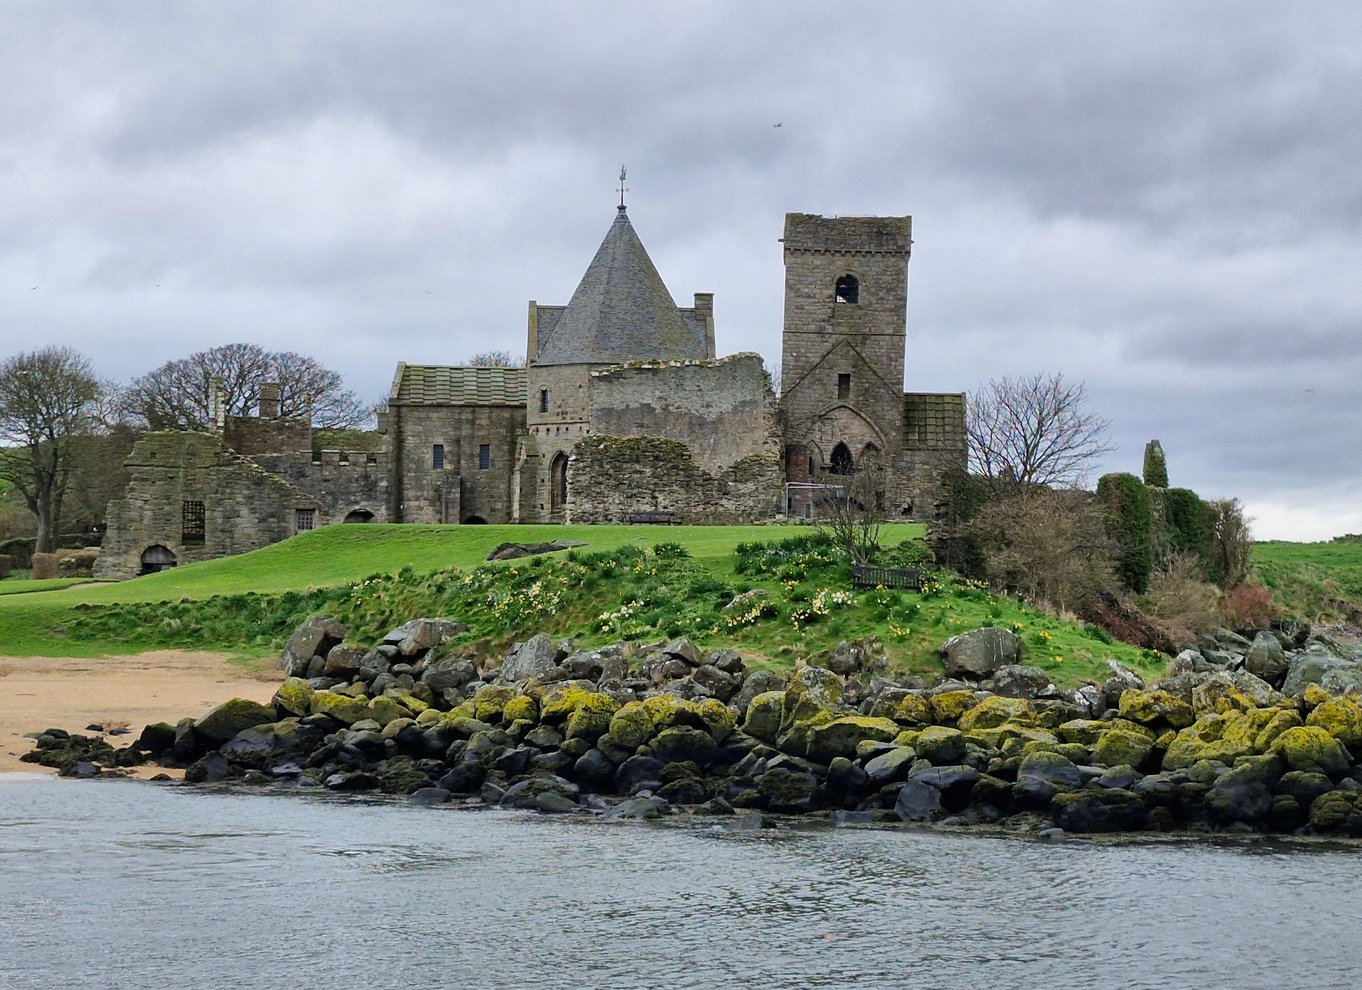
(245, 507)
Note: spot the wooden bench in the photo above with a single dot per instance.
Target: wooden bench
(865, 576)
(653, 518)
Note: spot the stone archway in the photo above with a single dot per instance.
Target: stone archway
(359, 516)
(841, 462)
(157, 558)
(475, 521)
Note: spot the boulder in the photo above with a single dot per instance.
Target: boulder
(1017, 681)
(1099, 810)
(1154, 708)
(294, 696)
(1309, 668)
(891, 765)
(788, 790)
(1310, 748)
(941, 745)
(230, 717)
(1266, 658)
(764, 715)
(314, 638)
(979, 653)
(1342, 719)
(535, 657)
(918, 801)
(449, 673)
(841, 736)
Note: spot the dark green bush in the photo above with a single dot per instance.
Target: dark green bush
(1125, 502)
(1189, 521)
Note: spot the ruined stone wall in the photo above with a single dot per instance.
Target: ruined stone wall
(723, 411)
(611, 477)
(933, 443)
(462, 488)
(252, 435)
(244, 506)
(343, 481)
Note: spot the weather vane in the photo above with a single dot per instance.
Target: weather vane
(623, 189)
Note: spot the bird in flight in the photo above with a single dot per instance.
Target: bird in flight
(781, 124)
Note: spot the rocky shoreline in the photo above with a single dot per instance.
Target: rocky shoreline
(1261, 735)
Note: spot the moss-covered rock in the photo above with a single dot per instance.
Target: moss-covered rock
(521, 708)
(993, 711)
(667, 710)
(719, 719)
(407, 700)
(1120, 748)
(764, 716)
(681, 743)
(1220, 694)
(632, 726)
(914, 709)
(1310, 748)
(343, 709)
(230, 717)
(1341, 718)
(1337, 813)
(948, 706)
(1278, 723)
(490, 702)
(1155, 707)
(1313, 696)
(294, 696)
(562, 700)
(584, 723)
(1082, 730)
(812, 690)
(384, 709)
(940, 745)
(1221, 738)
(841, 736)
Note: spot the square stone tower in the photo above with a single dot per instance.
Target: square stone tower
(846, 299)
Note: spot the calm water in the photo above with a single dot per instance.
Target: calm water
(118, 884)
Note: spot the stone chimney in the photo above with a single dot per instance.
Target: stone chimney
(269, 400)
(217, 409)
(704, 308)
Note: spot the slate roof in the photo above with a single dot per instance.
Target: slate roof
(621, 311)
(441, 385)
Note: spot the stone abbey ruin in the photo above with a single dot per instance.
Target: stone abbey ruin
(623, 413)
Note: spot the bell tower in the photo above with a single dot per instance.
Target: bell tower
(842, 354)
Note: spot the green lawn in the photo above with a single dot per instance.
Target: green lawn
(24, 586)
(35, 624)
(1316, 581)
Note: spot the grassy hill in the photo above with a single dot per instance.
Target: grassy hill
(1321, 582)
(639, 582)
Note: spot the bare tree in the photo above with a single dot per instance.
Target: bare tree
(177, 394)
(851, 513)
(1045, 545)
(47, 398)
(1231, 542)
(496, 359)
(1033, 430)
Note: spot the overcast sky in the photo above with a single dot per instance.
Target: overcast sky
(1160, 199)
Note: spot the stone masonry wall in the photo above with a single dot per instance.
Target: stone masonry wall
(252, 435)
(933, 443)
(723, 411)
(343, 481)
(244, 506)
(461, 489)
(611, 477)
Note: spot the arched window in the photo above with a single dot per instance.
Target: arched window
(841, 460)
(558, 482)
(848, 289)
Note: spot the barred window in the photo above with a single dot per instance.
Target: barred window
(306, 519)
(484, 456)
(192, 522)
(437, 456)
(843, 386)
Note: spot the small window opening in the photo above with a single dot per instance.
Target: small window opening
(437, 456)
(543, 400)
(848, 289)
(484, 456)
(844, 386)
(558, 482)
(192, 522)
(305, 519)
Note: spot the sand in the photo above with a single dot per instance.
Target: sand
(37, 693)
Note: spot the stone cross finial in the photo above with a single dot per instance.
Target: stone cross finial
(623, 189)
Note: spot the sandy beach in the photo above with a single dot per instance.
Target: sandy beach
(159, 686)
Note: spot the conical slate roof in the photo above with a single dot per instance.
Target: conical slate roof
(621, 311)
